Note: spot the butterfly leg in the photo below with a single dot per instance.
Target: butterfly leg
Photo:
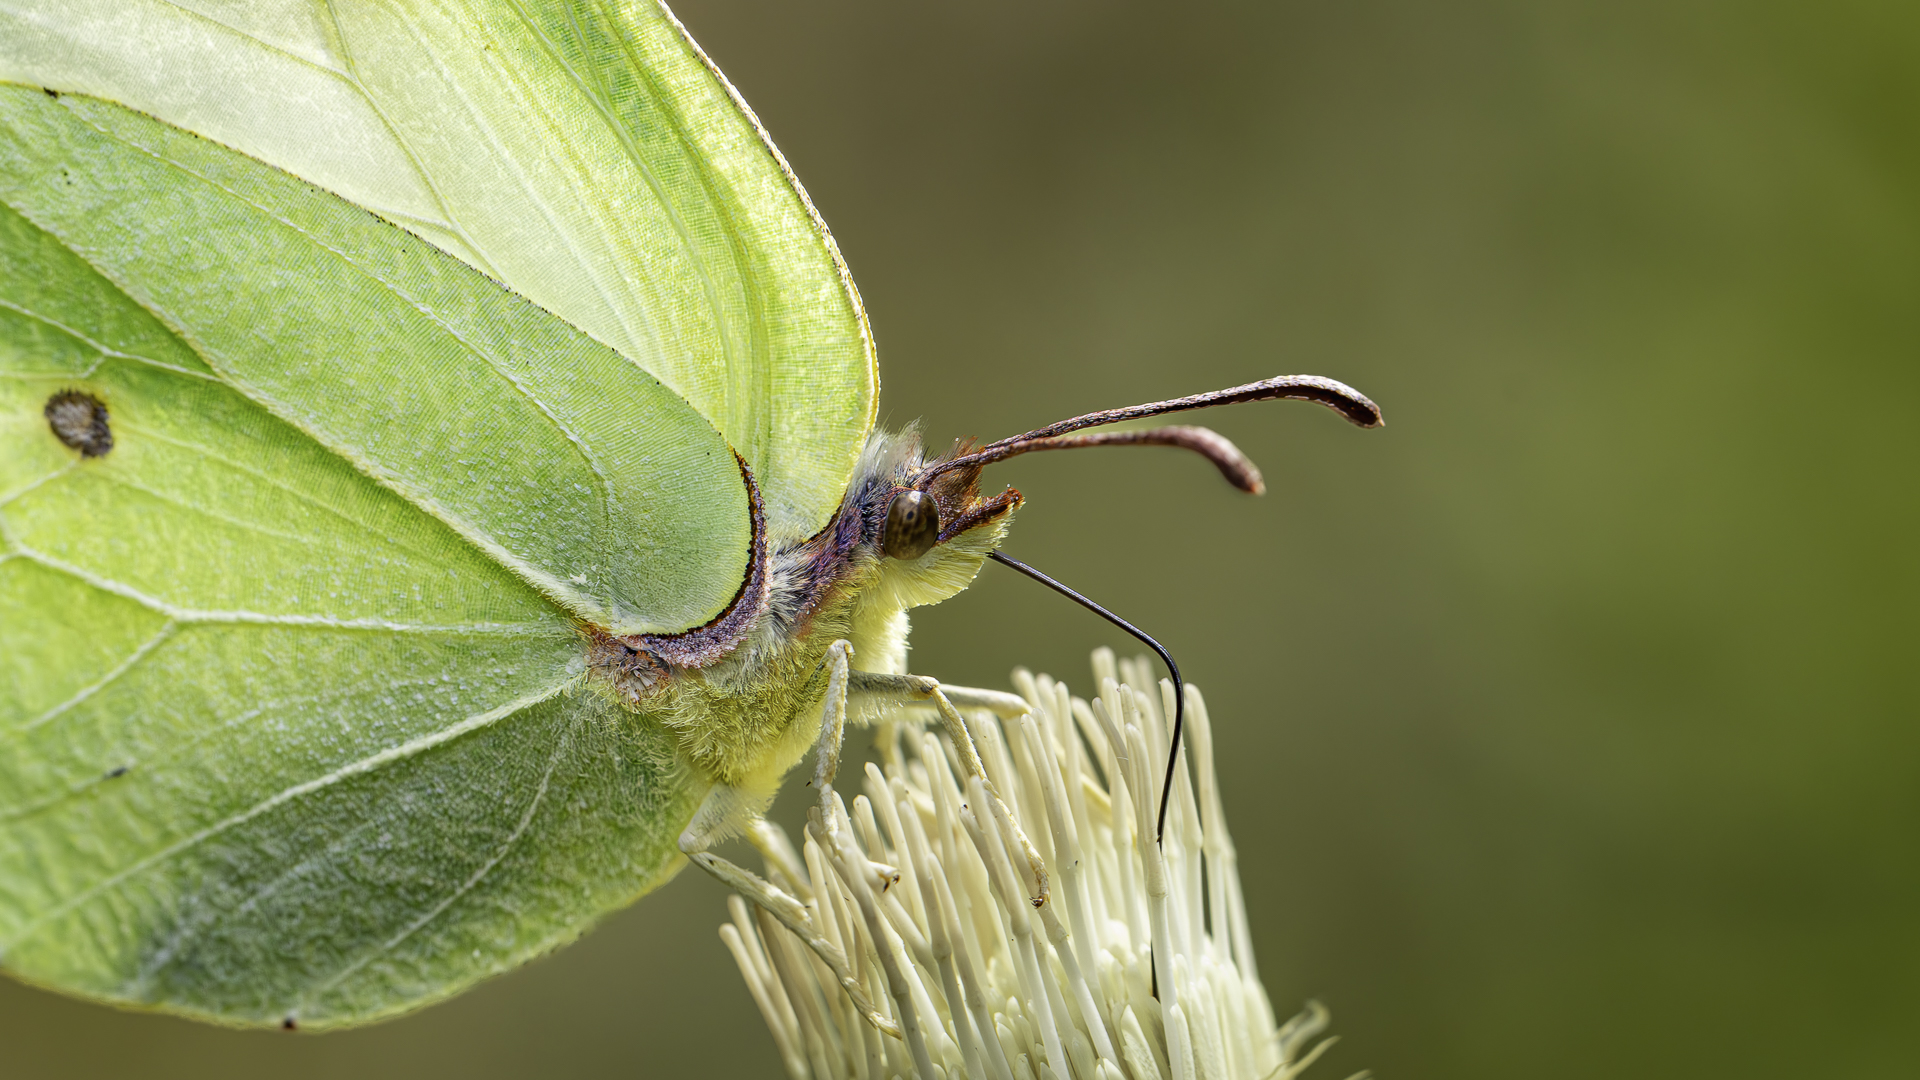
(876, 689)
(921, 689)
(918, 690)
(723, 807)
(721, 810)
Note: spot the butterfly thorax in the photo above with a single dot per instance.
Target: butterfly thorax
(742, 694)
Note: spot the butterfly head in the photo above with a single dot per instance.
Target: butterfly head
(928, 506)
(923, 530)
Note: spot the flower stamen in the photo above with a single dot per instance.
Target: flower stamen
(1034, 930)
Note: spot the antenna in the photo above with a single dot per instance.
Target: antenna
(1338, 396)
(1240, 472)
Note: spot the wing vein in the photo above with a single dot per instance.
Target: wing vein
(759, 343)
(133, 659)
(123, 480)
(600, 98)
(179, 751)
(479, 875)
(193, 13)
(56, 474)
(433, 187)
(254, 618)
(368, 764)
(283, 486)
(511, 166)
(99, 347)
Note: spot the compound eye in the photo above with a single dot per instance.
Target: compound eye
(913, 525)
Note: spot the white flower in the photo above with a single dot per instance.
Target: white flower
(1023, 926)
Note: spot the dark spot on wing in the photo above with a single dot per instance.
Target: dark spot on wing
(117, 772)
(80, 420)
(50, 92)
(289, 1024)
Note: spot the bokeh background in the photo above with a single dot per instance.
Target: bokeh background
(1569, 722)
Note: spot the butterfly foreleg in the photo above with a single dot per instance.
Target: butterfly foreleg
(947, 702)
(877, 689)
(797, 918)
(827, 821)
(720, 813)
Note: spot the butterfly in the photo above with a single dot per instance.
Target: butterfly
(437, 461)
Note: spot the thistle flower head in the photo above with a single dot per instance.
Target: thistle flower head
(1022, 924)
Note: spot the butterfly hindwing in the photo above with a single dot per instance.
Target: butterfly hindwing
(293, 716)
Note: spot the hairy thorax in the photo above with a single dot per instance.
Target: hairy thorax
(744, 702)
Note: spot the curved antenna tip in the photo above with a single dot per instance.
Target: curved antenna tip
(1357, 407)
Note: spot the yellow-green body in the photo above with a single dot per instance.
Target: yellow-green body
(747, 719)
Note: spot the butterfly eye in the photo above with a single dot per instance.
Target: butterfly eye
(913, 525)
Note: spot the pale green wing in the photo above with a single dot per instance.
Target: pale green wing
(583, 153)
(280, 736)
(564, 463)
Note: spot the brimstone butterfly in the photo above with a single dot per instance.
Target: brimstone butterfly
(436, 454)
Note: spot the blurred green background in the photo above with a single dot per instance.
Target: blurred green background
(1565, 725)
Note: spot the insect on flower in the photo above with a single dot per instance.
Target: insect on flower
(437, 468)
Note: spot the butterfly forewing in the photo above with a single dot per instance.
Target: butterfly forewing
(543, 448)
(582, 153)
